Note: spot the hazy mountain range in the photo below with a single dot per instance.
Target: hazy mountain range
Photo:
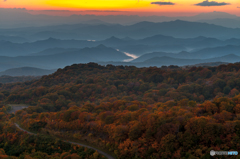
(177, 28)
(156, 42)
(166, 61)
(103, 55)
(200, 54)
(60, 60)
(136, 46)
(10, 18)
(27, 71)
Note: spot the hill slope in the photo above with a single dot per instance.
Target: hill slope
(26, 71)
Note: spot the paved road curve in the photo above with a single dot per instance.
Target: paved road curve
(99, 151)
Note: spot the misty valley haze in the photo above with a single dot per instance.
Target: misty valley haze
(143, 44)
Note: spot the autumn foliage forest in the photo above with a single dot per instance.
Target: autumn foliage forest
(135, 113)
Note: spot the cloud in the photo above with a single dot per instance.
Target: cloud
(211, 3)
(4, 0)
(163, 3)
(238, 7)
(103, 11)
(76, 11)
(56, 10)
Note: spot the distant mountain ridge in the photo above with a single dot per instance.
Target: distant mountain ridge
(175, 28)
(14, 39)
(53, 51)
(200, 54)
(23, 18)
(27, 71)
(231, 58)
(138, 46)
(167, 61)
(85, 55)
(230, 23)
(103, 54)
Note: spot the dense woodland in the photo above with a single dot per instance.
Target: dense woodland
(15, 144)
(167, 112)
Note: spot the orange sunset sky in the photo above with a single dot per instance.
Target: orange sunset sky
(171, 8)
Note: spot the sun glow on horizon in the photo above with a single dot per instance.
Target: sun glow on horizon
(171, 6)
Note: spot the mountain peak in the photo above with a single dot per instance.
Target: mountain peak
(214, 15)
(143, 23)
(161, 36)
(201, 37)
(113, 37)
(51, 39)
(178, 20)
(127, 38)
(231, 55)
(163, 58)
(101, 46)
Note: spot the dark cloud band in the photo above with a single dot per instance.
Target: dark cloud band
(163, 3)
(211, 3)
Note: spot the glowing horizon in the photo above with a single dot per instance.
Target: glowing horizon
(129, 6)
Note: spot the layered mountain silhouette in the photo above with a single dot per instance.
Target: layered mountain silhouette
(14, 39)
(200, 54)
(26, 71)
(167, 61)
(59, 60)
(53, 51)
(20, 17)
(159, 61)
(177, 28)
(226, 22)
(175, 42)
(140, 46)
(16, 49)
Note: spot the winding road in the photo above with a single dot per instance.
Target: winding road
(99, 151)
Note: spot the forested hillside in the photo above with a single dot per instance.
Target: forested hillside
(167, 112)
(92, 83)
(15, 144)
